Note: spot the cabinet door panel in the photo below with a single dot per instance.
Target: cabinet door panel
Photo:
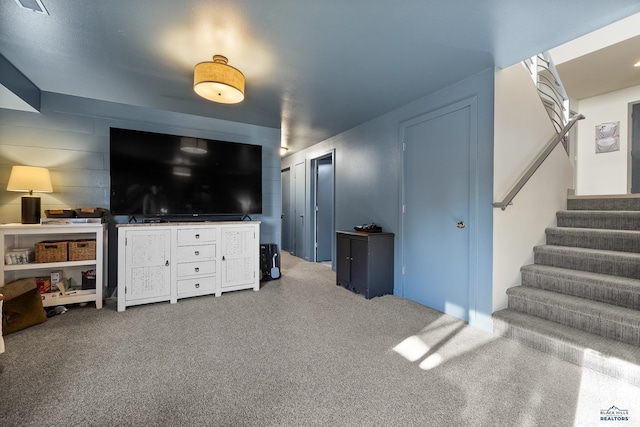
(359, 265)
(147, 264)
(239, 262)
(343, 263)
(147, 282)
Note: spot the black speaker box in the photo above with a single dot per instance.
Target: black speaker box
(269, 261)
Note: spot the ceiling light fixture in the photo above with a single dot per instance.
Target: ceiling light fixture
(637, 64)
(283, 150)
(218, 82)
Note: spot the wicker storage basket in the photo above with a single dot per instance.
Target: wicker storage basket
(51, 251)
(81, 250)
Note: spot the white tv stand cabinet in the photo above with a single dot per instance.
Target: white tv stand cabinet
(169, 261)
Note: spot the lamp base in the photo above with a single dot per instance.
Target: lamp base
(30, 210)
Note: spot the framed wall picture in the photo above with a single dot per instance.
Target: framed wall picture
(608, 137)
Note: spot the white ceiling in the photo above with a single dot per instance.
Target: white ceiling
(313, 68)
(602, 71)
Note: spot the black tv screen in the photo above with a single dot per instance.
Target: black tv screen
(159, 175)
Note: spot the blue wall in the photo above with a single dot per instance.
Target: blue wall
(71, 137)
(368, 167)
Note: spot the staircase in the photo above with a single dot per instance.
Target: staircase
(580, 300)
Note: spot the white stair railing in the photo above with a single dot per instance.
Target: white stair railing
(550, 89)
(556, 101)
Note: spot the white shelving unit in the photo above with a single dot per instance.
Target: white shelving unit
(27, 235)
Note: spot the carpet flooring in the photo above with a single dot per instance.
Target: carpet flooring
(299, 352)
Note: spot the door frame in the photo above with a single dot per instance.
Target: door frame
(314, 161)
(473, 220)
(289, 213)
(298, 241)
(573, 150)
(630, 139)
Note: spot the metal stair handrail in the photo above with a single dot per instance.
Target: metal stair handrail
(547, 80)
(551, 145)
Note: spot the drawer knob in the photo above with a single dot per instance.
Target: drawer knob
(197, 236)
(166, 263)
(197, 253)
(197, 285)
(197, 269)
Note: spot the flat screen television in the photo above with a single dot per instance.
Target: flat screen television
(159, 175)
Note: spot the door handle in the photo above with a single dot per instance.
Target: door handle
(461, 224)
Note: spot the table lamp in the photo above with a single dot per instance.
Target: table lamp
(30, 179)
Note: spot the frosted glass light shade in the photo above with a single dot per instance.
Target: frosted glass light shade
(181, 171)
(193, 145)
(218, 82)
(30, 179)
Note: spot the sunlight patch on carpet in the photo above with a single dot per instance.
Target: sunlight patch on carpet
(432, 361)
(412, 348)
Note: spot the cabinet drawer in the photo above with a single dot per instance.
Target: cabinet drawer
(201, 284)
(196, 252)
(193, 268)
(191, 236)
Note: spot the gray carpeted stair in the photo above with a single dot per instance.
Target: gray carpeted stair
(623, 264)
(610, 220)
(630, 202)
(611, 357)
(610, 240)
(621, 291)
(580, 301)
(607, 320)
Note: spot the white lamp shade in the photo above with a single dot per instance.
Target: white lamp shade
(30, 179)
(218, 82)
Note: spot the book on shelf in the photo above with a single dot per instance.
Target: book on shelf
(79, 292)
(51, 295)
(61, 221)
